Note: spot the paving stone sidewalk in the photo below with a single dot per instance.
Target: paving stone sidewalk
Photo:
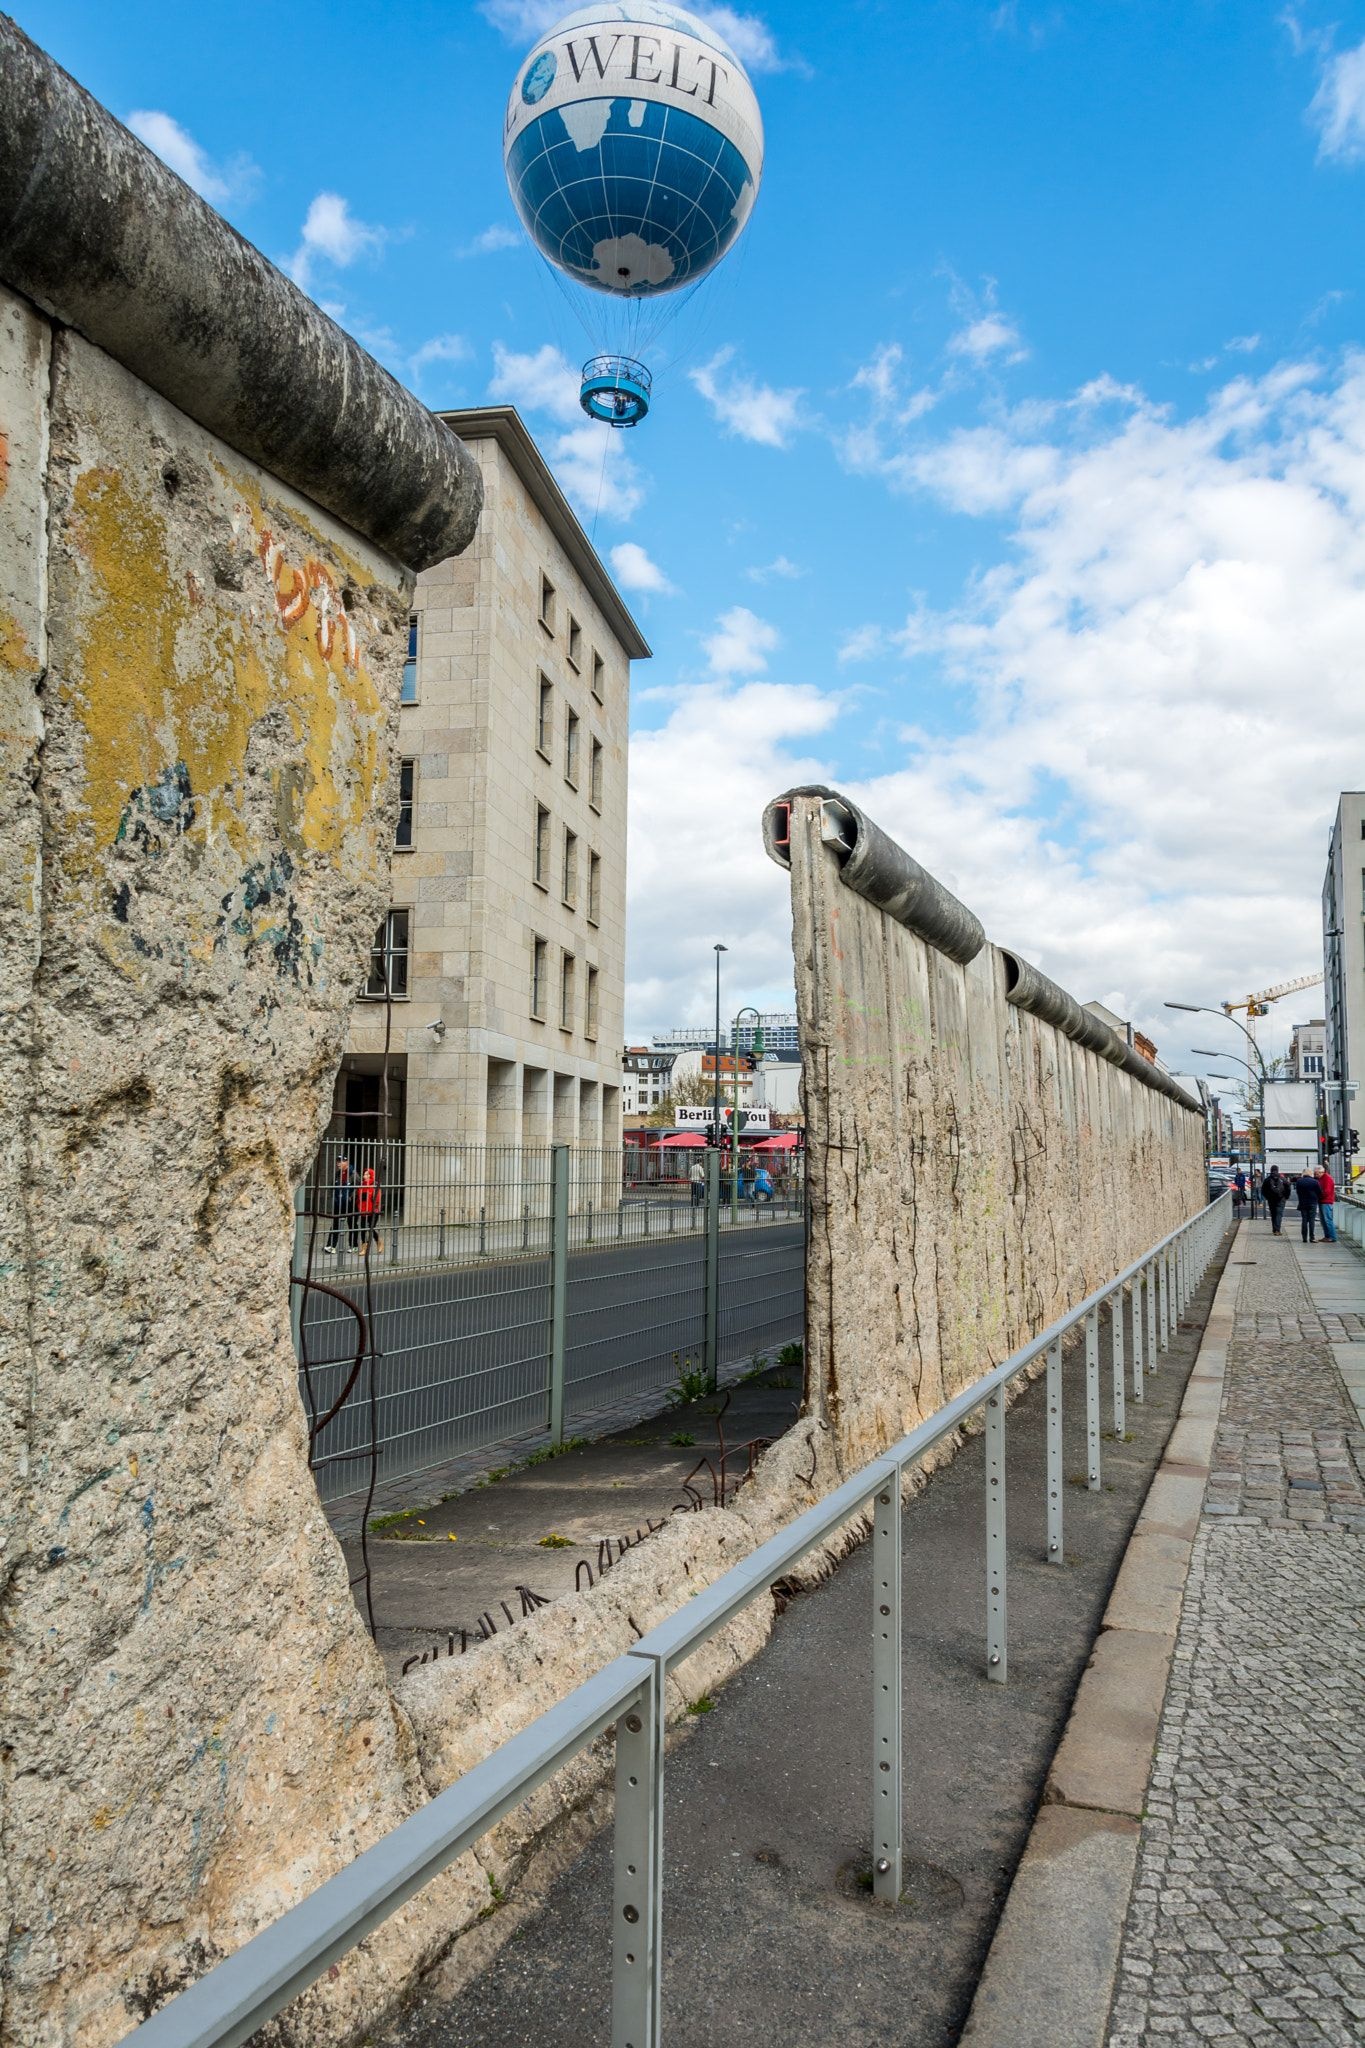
(1247, 1920)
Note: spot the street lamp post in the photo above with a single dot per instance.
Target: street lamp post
(1259, 1076)
(747, 1011)
(715, 1055)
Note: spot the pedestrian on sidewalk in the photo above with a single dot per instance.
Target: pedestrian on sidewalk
(343, 1205)
(1239, 1192)
(1327, 1196)
(1275, 1189)
(697, 1177)
(369, 1201)
(1310, 1203)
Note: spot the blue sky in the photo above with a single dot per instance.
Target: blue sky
(1009, 472)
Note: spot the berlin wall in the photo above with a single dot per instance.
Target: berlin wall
(212, 508)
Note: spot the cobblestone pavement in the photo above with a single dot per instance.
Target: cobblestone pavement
(1247, 1922)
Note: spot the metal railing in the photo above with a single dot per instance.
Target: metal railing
(1349, 1217)
(546, 1312)
(239, 1995)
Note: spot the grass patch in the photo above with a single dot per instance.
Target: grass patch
(690, 1383)
(792, 1354)
(379, 1524)
(548, 1451)
(704, 1704)
(683, 1438)
(553, 1542)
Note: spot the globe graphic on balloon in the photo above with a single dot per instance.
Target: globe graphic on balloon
(633, 147)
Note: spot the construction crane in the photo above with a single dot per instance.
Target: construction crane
(1259, 1005)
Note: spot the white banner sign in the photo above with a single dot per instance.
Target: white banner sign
(756, 1119)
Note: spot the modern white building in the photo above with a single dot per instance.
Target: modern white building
(779, 1034)
(1308, 1051)
(504, 949)
(645, 1080)
(1343, 960)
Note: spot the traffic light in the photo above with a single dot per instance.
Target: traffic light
(1324, 1149)
(1354, 1145)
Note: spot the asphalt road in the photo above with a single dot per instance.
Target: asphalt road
(464, 1350)
(768, 1933)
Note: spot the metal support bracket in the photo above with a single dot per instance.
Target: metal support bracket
(1055, 1552)
(1116, 1361)
(997, 1641)
(637, 1891)
(1139, 1384)
(1092, 1400)
(559, 1283)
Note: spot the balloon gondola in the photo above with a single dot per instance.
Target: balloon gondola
(633, 147)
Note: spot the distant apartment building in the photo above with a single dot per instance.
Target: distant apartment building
(645, 1079)
(1343, 955)
(1308, 1051)
(779, 1034)
(504, 947)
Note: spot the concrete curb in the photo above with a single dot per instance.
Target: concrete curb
(1048, 1980)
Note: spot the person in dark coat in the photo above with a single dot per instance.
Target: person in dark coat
(1310, 1202)
(1275, 1193)
(343, 1206)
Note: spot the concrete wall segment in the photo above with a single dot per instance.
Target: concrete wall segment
(100, 234)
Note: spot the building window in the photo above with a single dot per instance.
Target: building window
(547, 604)
(590, 1005)
(599, 675)
(388, 975)
(408, 693)
(594, 887)
(545, 718)
(575, 642)
(595, 776)
(571, 868)
(407, 784)
(540, 955)
(566, 973)
(541, 867)
(571, 750)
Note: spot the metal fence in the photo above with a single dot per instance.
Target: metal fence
(240, 1995)
(448, 1299)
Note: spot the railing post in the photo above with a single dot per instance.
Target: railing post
(559, 1283)
(1116, 1363)
(886, 1691)
(637, 1851)
(711, 1311)
(1139, 1388)
(1092, 1400)
(1055, 1553)
(1149, 1272)
(997, 1639)
(1163, 1306)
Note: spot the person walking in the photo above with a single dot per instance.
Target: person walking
(1239, 1192)
(1327, 1197)
(1310, 1203)
(1275, 1191)
(369, 1201)
(697, 1178)
(343, 1205)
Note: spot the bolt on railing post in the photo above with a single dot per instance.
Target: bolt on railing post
(711, 1267)
(1055, 1553)
(1139, 1388)
(637, 1855)
(1092, 1400)
(1116, 1364)
(886, 1692)
(559, 1283)
(997, 1639)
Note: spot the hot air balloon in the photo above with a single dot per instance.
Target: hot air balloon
(633, 149)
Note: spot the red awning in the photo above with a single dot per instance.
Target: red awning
(781, 1141)
(682, 1138)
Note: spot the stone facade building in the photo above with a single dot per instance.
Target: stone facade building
(1343, 955)
(504, 949)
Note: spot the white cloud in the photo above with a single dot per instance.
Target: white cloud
(634, 569)
(755, 412)
(499, 236)
(780, 569)
(441, 348)
(543, 382)
(178, 149)
(1337, 109)
(741, 643)
(332, 232)
(1242, 344)
(990, 335)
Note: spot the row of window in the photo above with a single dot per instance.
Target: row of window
(573, 640)
(545, 743)
(568, 989)
(390, 960)
(569, 881)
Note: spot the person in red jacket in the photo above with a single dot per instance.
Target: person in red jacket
(369, 1200)
(1327, 1192)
